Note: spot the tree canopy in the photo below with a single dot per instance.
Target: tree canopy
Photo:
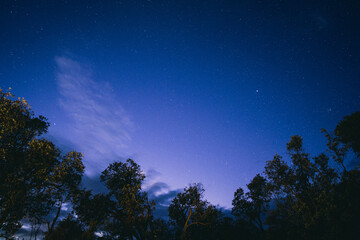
(34, 175)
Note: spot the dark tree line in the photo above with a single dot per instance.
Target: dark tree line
(301, 197)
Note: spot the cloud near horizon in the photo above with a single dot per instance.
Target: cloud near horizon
(97, 125)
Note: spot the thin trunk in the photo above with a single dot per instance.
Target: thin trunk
(186, 224)
(36, 231)
(55, 219)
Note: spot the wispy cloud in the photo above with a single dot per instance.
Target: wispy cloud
(99, 127)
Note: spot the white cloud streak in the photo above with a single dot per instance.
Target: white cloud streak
(98, 126)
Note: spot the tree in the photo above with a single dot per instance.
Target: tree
(161, 230)
(302, 191)
(68, 228)
(34, 175)
(93, 211)
(131, 215)
(348, 131)
(252, 206)
(312, 194)
(63, 184)
(192, 216)
(19, 172)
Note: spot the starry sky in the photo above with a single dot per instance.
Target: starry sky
(193, 91)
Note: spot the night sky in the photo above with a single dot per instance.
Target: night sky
(193, 91)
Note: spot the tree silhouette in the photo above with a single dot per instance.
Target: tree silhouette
(68, 228)
(64, 184)
(131, 215)
(93, 211)
(252, 206)
(313, 194)
(348, 131)
(192, 216)
(21, 173)
(34, 175)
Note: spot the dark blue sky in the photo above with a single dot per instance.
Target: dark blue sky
(194, 91)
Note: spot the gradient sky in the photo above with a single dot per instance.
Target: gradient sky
(193, 91)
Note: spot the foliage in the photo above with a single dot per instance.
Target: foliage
(307, 193)
(131, 214)
(25, 161)
(252, 206)
(68, 228)
(193, 217)
(348, 131)
(34, 175)
(92, 211)
(64, 184)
